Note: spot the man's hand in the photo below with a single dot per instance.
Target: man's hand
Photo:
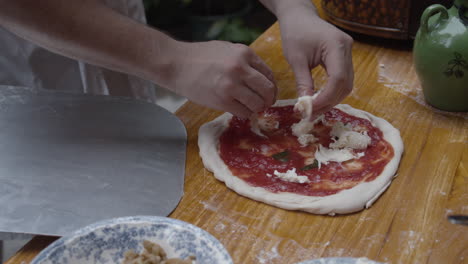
(308, 41)
(224, 76)
(221, 75)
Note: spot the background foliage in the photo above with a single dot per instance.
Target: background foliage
(240, 21)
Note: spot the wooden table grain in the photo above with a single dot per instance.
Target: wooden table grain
(407, 224)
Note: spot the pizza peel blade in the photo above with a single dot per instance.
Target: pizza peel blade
(68, 160)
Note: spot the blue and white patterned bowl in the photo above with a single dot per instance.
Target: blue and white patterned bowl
(340, 261)
(106, 242)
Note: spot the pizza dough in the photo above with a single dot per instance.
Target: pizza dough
(345, 201)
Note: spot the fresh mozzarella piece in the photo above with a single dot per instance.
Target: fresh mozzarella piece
(267, 124)
(254, 126)
(291, 176)
(324, 155)
(257, 124)
(339, 128)
(304, 106)
(347, 138)
(305, 139)
(303, 128)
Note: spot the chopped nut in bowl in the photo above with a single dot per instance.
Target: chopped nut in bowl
(153, 254)
(136, 240)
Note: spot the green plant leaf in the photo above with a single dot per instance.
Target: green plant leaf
(459, 73)
(236, 31)
(216, 29)
(454, 62)
(458, 55)
(448, 72)
(282, 156)
(464, 64)
(314, 165)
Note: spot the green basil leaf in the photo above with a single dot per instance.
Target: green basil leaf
(281, 156)
(314, 165)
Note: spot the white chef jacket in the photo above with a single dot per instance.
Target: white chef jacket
(25, 64)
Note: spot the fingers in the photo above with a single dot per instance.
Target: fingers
(324, 102)
(265, 88)
(339, 66)
(258, 90)
(262, 86)
(252, 96)
(250, 99)
(257, 63)
(248, 85)
(304, 80)
(238, 109)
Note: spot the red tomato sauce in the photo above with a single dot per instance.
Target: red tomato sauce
(244, 153)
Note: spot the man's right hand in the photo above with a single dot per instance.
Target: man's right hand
(221, 75)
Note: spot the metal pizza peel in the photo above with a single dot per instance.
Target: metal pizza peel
(69, 160)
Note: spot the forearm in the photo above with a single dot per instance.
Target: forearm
(308, 42)
(90, 31)
(281, 7)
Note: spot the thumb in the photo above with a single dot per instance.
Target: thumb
(304, 80)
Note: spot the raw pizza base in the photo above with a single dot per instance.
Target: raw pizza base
(346, 201)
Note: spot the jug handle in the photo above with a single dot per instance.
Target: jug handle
(462, 14)
(429, 12)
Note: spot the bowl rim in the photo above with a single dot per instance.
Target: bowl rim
(316, 261)
(44, 254)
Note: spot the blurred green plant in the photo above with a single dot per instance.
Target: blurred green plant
(208, 19)
(233, 30)
(158, 3)
(217, 7)
(164, 13)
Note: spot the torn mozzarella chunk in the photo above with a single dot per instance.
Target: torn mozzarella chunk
(257, 124)
(291, 176)
(254, 126)
(340, 128)
(324, 155)
(302, 129)
(320, 118)
(305, 139)
(343, 148)
(268, 124)
(347, 138)
(265, 149)
(304, 106)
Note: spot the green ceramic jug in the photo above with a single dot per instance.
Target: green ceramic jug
(441, 56)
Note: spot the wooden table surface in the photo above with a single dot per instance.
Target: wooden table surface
(408, 223)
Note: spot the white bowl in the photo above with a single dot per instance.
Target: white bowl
(340, 261)
(106, 242)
